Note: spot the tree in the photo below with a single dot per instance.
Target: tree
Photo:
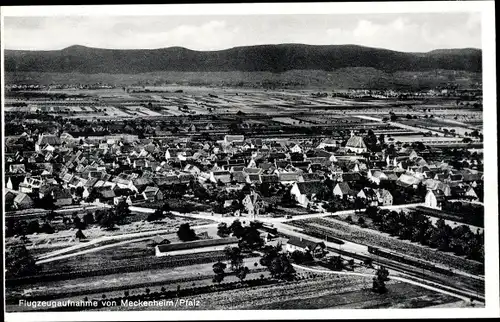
(47, 228)
(88, 218)
(302, 257)
(79, 191)
(269, 253)
(155, 216)
(234, 256)
(336, 263)
(381, 276)
(33, 227)
(122, 210)
(281, 268)
(79, 235)
(78, 222)
(108, 220)
(185, 233)
(287, 197)
(165, 208)
(371, 212)
(250, 238)
(237, 229)
(222, 230)
(359, 204)
(218, 269)
(47, 202)
(50, 215)
(242, 272)
(19, 262)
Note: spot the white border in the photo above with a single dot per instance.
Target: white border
(253, 8)
(486, 8)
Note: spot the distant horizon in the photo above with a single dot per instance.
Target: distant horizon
(240, 46)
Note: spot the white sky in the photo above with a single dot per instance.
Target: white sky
(410, 32)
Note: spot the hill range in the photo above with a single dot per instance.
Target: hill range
(296, 65)
(264, 58)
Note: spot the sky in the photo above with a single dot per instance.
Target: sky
(410, 32)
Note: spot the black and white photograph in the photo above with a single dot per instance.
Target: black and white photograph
(322, 160)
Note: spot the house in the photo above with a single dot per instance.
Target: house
(9, 184)
(384, 197)
(288, 177)
(406, 180)
(296, 149)
(351, 177)
(330, 143)
(315, 176)
(433, 184)
(192, 169)
(434, 199)
(356, 144)
(9, 197)
(222, 176)
(22, 201)
(269, 178)
(107, 196)
(305, 192)
(47, 139)
(303, 245)
(62, 197)
(376, 176)
(153, 193)
(458, 192)
(253, 204)
(369, 195)
(17, 168)
(136, 199)
(253, 178)
(239, 177)
(228, 139)
(471, 193)
(342, 190)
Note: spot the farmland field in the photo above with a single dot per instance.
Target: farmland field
(115, 283)
(320, 293)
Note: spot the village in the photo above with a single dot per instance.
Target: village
(90, 198)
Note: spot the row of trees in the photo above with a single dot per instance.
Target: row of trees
(417, 227)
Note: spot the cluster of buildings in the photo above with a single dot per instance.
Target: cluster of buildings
(109, 169)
